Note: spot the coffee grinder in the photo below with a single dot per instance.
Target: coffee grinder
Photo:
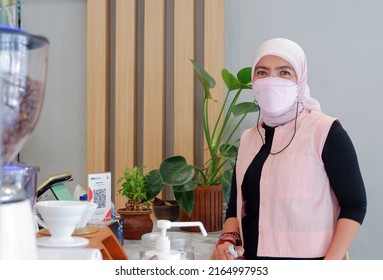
(23, 65)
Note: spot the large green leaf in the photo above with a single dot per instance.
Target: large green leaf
(176, 172)
(189, 186)
(244, 108)
(226, 184)
(185, 200)
(230, 80)
(244, 76)
(154, 184)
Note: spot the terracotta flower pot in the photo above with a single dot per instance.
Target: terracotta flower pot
(136, 223)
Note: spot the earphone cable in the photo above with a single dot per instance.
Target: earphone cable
(291, 140)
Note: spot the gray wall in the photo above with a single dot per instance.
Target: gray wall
(343, 41)
(58, 143)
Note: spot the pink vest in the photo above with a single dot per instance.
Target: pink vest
(298, 210)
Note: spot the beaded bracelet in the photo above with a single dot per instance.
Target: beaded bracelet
(232, 234)
(221, 241)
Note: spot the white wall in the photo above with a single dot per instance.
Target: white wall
(343, 41)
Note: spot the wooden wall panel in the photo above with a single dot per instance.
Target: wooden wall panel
(154, 83)
(214, 58)
(98, 86)
(184, 86)
(127, 82)
(125, 106)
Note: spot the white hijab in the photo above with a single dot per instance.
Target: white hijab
(294, 54)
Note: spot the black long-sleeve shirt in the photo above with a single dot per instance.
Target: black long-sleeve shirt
(342, 167)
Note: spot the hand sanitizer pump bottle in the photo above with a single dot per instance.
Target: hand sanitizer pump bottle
(163, 250)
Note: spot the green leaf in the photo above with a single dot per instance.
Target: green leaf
(206, 80)
(244, 76)
(230, 80)
(226, 184)
(133, 184)
(189, 186)
(175, 171)
(232, 160)
(202, 73)
(154, 184)
(185, 200)
(244, 108)
(228, 150)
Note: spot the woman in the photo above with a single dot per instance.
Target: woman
(297, 190)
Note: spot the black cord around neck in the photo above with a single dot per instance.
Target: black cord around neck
(291, 140)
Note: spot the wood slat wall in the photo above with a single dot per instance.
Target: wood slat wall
(154, 83)
(126, 79)
(98, 30)
(214, 54)
(125, 106)
(184, 83)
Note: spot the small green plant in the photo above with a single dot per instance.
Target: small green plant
(134, 188)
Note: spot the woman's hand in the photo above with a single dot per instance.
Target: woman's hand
(345, 233)
(222, 252)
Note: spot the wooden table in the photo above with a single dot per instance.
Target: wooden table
(101, 238)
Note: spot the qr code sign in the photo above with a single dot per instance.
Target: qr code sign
(99, 197)
(99, 191)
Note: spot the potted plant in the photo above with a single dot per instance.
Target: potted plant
(136, 214)
(219, 135)
(165, 209)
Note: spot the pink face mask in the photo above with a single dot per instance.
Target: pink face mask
(275, 96)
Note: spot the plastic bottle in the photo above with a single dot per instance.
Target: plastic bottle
(112, 211)
(84, 197)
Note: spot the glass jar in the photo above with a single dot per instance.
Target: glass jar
(179, 241)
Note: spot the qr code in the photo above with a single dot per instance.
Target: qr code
(99, 197)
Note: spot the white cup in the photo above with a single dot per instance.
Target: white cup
(60, 217)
